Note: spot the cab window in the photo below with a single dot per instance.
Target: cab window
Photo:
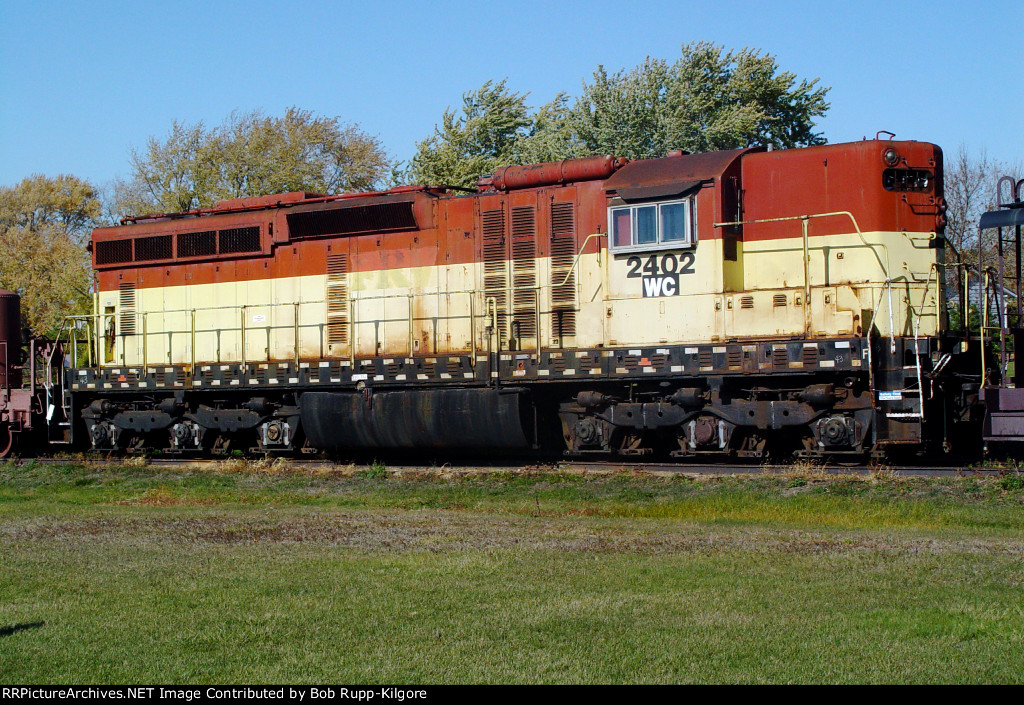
(653, 226)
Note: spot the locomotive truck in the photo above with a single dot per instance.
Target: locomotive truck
(732, 304)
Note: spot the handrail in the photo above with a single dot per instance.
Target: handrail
(917, 342)
(92, 321)
(885, 267)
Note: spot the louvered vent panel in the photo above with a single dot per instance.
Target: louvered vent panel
(563, 277)
(197, 244)
(377, 218)
(126, 309)
(157, 247)
(337, 302)
(780, 356)
(495, 263)
(524, 270)
(746, 302)
(113, 251)
(779, 300)
(240, 240)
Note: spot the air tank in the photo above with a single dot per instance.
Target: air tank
(10, 340)
(550, 173)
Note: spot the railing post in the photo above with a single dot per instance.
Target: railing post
(295, 322)
(412, 332)
(536, 319)
(352, 331)
(983, 282)
(807, 277)
(145, 340)
(472, 326)
(242, 336)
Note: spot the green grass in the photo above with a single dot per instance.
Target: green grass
(263, 574)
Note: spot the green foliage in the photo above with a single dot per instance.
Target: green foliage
(494, 128)
(250, 154)
(956, 318)
(376, 471)
(709, 99)
(44, 224)
(1012, 481)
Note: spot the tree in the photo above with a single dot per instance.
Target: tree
(969, 187)
(549, 136)
(707, 100)
(44, 225)
(250, 154)
(475, 142)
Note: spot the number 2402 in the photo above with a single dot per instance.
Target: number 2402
(669, 264)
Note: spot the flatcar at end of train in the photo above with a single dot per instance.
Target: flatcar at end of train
(730, 304)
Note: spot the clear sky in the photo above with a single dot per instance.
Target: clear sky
(83, 82)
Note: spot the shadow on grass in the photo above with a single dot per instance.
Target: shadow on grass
(15, 628)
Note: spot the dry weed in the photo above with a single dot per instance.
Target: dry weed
(802, 469)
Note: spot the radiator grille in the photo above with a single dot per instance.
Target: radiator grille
(161, 247)
(197, 244)
(239, 240)
(113, 251)
(377, 218)
(153, 248)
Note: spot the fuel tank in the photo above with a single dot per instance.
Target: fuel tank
(426, 418)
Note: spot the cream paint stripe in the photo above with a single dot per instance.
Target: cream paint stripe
(270, 313)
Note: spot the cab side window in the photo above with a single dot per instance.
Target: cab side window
(653, 226)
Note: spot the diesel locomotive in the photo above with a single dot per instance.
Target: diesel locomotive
(733, 304)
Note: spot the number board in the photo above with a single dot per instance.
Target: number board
(659, 274)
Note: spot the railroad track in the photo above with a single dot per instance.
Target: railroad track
(467, 465)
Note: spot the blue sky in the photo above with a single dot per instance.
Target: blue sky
(83, 82)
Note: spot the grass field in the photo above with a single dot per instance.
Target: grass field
(262, 573)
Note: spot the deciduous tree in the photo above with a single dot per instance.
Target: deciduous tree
(478, 138)
(250, 154)
(969, 187)
(44, 225)
(707, 100)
